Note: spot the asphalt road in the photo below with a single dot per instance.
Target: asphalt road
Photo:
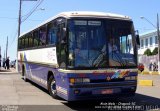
(17, 95)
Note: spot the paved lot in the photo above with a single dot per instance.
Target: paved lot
(17, 92)
(154, 90)
(14, 91)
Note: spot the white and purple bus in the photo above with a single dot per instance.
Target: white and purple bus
(81, 55)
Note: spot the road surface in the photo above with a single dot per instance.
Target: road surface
(17, 95)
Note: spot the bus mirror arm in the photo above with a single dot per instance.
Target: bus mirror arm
(137, 37)
(137, 40)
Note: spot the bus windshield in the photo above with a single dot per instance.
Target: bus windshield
(101, 43)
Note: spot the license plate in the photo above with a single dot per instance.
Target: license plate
(107, 91)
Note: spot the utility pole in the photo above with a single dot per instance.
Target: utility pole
(4, 55)
(158, 42)
(19, 30)
(19, 26)
(19, 18)
(7, 47)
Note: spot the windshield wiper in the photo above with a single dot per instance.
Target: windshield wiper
(98, 60)
(118, 58)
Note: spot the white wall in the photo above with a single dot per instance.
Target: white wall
(145, 36)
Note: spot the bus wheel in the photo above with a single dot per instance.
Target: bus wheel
(52, 87)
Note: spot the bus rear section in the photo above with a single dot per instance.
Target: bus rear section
(97, 84)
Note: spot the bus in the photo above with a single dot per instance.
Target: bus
(81, 55)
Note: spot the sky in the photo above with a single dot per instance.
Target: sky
(9, 15)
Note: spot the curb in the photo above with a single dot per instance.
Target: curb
(145, 82)
(8, 72)
(4, 71)
(154, 73)
(149, 73)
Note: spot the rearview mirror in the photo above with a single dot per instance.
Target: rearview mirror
(137, 40)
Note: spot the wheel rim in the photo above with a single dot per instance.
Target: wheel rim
(53, 87)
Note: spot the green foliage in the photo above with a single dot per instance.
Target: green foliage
(155, 51)
(148, 52)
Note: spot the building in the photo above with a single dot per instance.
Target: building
(148, 40)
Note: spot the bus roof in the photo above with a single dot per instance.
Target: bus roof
(87, 14)
(92, 14)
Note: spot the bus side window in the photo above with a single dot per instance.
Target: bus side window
(30, 37)
(23, 43)
(19, 43)
(26, 41)
(51, 34)
(35, 38)
(42, 35)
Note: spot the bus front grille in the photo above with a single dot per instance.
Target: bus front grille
(105, 80)
(108, 84)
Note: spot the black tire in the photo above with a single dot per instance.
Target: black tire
(24, 74)
(52, 87)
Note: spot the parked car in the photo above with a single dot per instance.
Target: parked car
(140, 67)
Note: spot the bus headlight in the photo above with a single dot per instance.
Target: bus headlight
(79, 80)
(131, 78)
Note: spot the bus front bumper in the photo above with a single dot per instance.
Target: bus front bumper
(101, 90)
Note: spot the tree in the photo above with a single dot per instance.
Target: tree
(148, 52)
(155, 51)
